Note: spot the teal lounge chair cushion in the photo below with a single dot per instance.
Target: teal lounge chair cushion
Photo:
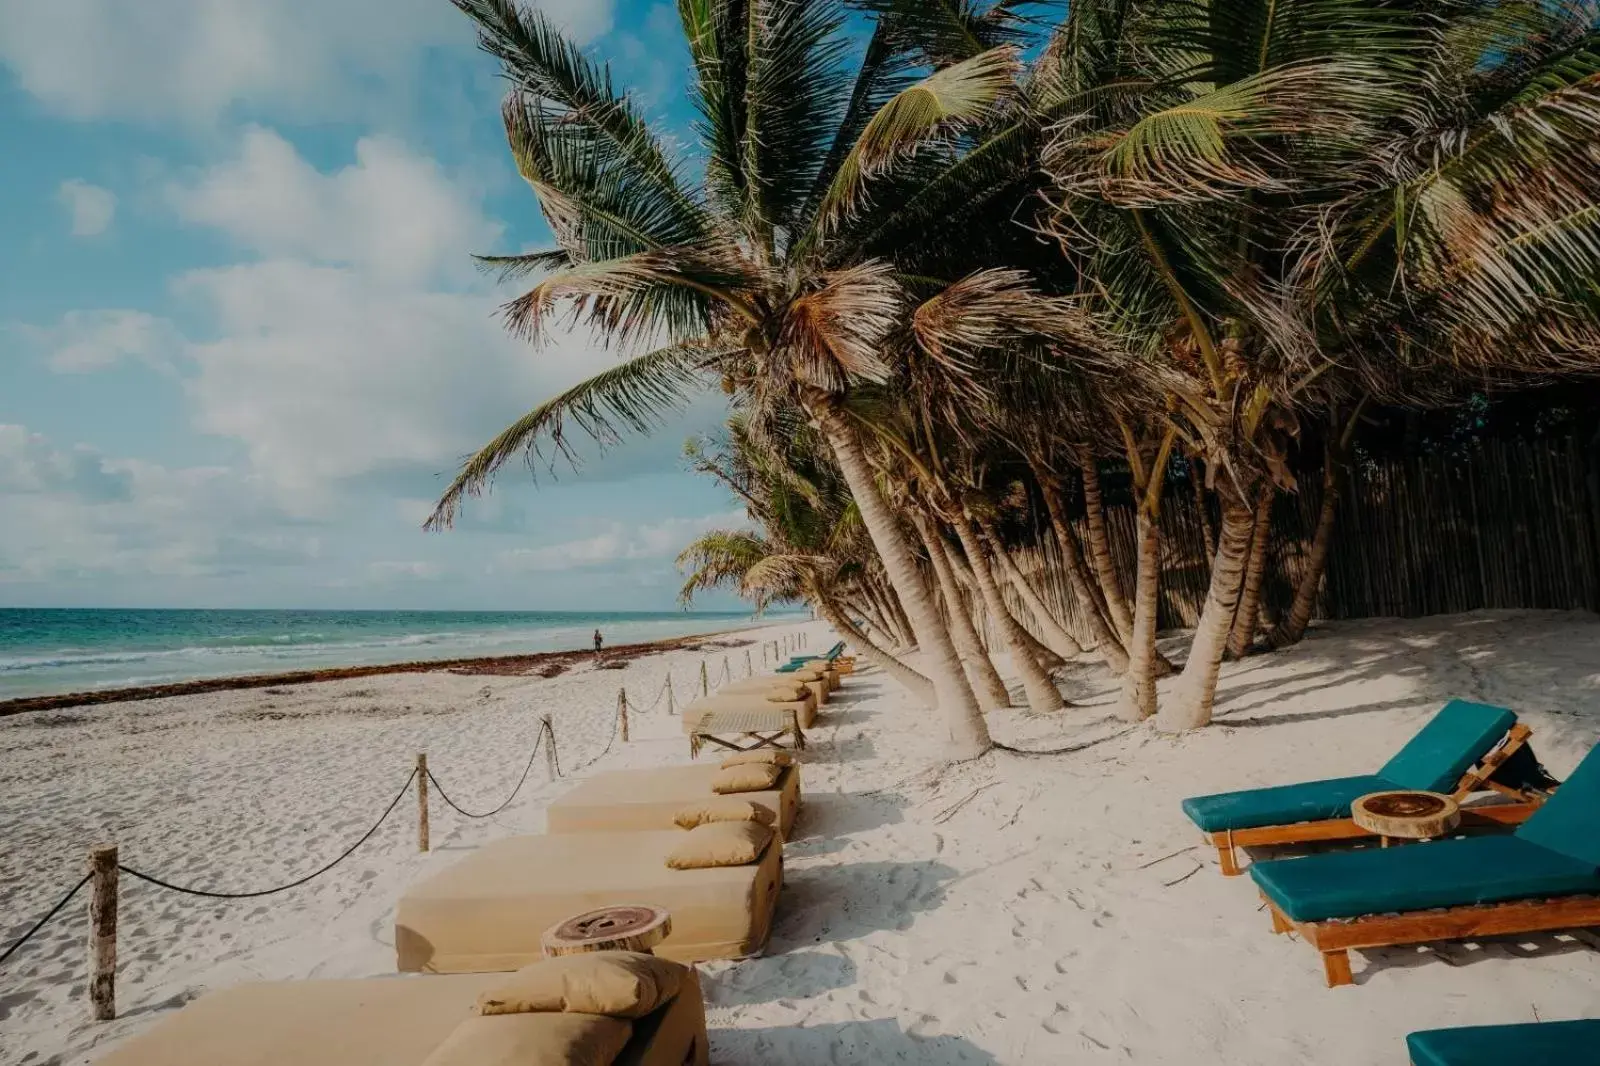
(1445, 873)
(1532, 1044)
(1311, 801)
(1448, 746)
(1433, 760)
(1569, 821)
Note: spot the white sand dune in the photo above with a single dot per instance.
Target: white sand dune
(1014, 910)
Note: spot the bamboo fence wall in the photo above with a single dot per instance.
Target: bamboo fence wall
(1502, 524)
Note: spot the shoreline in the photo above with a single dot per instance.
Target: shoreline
(527, 663)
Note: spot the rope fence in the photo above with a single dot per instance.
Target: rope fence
(104, 865)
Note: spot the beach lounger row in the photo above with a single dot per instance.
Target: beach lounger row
(386, 1021)
(703, 843)
(1542, 876)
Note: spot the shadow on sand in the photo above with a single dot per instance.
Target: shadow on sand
(879, 1040)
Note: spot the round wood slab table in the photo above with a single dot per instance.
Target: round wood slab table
(621, 928)
(1406, 815)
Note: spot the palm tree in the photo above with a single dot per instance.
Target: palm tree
(1287, 200)
(810, 544)
(782, 272)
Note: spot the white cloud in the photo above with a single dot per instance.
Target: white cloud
(72, 512)
(390, 570)
(93, 340)
(195, 60)
(89, 207)
(618, 543)
(392, 212)
(344, 354)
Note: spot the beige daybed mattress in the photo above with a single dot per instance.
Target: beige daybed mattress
(394, 1021)
(805, 711)
(816, 684)
(648, 799)
(487, 911)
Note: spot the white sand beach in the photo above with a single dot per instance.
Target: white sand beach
(1013, 910)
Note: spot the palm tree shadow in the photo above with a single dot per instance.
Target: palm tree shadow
(878, 1040)
(886, 897)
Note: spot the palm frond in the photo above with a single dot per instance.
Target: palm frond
(512, 267)
(1233, 139)
(675, 292)
(637, 395)
(838, 330)
(914, 118)
(578, 95)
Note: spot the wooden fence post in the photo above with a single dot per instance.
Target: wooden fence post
(705, 680)
(749, 670)
(550, 748)
(622, 712)
(103, 933)
(672, 697)
(422, 801)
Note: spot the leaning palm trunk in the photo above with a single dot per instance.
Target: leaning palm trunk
(1189, 705)
(919, 686)
(1100, 550)
(902, 621)
(1293, 627)
(1041, 691)
(1246, 619)
(1139, 683)
(966, 732)
(874, 618)
(986, 681)
(887, 619)
(1084, 589)
(1056, 636)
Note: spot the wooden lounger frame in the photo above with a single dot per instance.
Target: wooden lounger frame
(757, 729)
(1473, 780)
(1334, 939)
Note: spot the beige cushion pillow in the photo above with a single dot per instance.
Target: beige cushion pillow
(618, 984)
(787, 693)
(721, 809)
(764, 755)
(571, 1039)
(720, 844)
(807, 674)
(749, 777)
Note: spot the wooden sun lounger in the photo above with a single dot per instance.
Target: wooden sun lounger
(1334, 939)
(753, 729)
(1474, 780)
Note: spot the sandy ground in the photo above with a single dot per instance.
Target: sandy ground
(1012, 910)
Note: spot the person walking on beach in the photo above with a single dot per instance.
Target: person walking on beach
(598, 640)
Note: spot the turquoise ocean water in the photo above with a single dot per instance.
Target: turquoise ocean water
(48, 651)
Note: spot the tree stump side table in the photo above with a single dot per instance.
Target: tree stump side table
(1405, 815)
(627, 927)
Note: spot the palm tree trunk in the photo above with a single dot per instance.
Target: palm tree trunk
(1084, 588)
(1189, 705)
(919, 686)
(1293, 626)
(986, 680)
(902, 620)
(1042, 694)
(1139, 683)
(1056, 636)
(1200, 505)
(891, 622)
(967, 735)
(1246, 620)
(1100, 549)
(874, 618)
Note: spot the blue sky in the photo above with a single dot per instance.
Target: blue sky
(242, 344)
